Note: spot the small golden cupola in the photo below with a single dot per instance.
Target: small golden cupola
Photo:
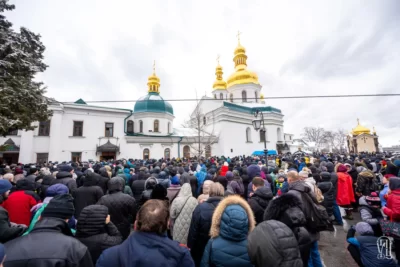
(360, 129)
(241, 75)
(153, 81)
(219, 83)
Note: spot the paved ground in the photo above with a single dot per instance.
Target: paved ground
(333, 246)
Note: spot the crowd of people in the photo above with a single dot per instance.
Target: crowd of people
(241, 211)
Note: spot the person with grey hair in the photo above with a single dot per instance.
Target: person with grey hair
(201, 222)
(10, 177)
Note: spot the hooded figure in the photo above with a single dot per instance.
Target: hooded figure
(149, 185)
(181, 214)
(328, 191)
(201, 177)
(273, 244)
(252, 171)
(232, 221)
(163, 179)
(121, 207)
(366, 183)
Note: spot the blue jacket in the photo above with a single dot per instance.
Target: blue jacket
(229, 248)
(146, 250)
(383, 193)
(301, 166)
(201, 176)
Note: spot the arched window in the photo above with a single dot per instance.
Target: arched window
(231, 98)
(208, 151)
(221, 96)
(146, 153)
(256, 96)
(244, 96)
(248, 134)
(140, 126)
(204, 120)
(279, 134)
(263, 135)
(169, 127)
(186, 152)
(156, 124)
(167, 153)
(129, 127)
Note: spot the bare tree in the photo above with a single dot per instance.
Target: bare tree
(335, 139)
(204, 127)
(314, 134)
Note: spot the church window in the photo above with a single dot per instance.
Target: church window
(221, 96)
(109, 129)
(129, 127)
(244, 96)
(44, 128)
(167, 153)
(156, 126)
(248, 134)
(12, 132)
(231, 97)
(140, 126)
(169, 127)
(263, 135)
(256, 96)
(146, 153)
(78, 128)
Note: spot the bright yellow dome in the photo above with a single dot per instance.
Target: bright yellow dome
(241, 75)
(219, 82)
(153, 82)
(262, 96)
(360, 129)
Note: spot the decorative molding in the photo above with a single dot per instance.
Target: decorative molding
(76, 136)
(144, 145)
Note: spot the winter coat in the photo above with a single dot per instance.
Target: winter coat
(224, 170)
(392, 209)
(149, 185)
(286, 210)
(49, 244)
(163, 179)
(345, 193)
(383, 193)
(19, 203)
(366, 183)
(94, 233)
(146, 250)
(137, 189)
(328, 191)
(121, 207)
(201, 177)
(369, 214)
(236, 187)
(89, 194)
(65, 178)
(105, 176)
(42, 187)
(172, 192)
(232, 221)
(273, 244)
(8, 232)
(334, 178)
(181, 213)
(259, 202)
(200, 227)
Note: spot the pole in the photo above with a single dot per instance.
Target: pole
(265, 139)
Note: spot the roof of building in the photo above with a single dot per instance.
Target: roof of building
(108, 147)
(81, 102)
(360, 129)
(250, 108)
(153, 102)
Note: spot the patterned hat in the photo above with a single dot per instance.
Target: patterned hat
(373, 199)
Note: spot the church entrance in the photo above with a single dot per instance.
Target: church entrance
(9, 158)
(107, 156)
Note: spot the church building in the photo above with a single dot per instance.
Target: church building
(361, 140)
(219, 125)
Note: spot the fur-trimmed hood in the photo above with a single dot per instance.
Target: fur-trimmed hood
(233, 219)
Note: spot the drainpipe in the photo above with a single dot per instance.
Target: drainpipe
(179, 146)
(125, 121)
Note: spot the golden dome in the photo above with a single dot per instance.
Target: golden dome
(219, 82)
(262, 96)
(153, 82)
(360, 129)
(241, 74)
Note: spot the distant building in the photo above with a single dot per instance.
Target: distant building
(361, 140)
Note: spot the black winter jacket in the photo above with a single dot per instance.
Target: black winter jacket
(259, 202)
(149, 185)
(121, 207)
(65, 178)
(89, 194)
(199, 231)
(7, 232)
(272, 243)
(49, 244)
(103, 179)
(92, 231)
(137, 189)
(328, 191)
(47, 180)
(334, 178)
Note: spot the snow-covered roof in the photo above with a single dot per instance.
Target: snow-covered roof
(185, 132)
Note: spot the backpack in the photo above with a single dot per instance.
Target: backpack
(318, 194)
(316, 215)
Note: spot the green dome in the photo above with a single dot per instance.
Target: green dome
(153, 102)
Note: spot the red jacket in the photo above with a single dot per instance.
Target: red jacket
(19, 204)
(392, 209)
(345, 194)
(224, 170)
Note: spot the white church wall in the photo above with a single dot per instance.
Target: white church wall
(250, 89)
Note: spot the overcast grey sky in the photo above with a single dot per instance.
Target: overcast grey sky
(104, 50)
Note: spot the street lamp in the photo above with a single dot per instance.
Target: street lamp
(257, 126)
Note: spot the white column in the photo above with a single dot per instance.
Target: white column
(26, 148)
(55, 137)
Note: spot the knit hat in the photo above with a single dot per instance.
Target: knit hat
(373, 199)
(65, 168)
(341, 168)
(175, 180)
(364, 228)
(360, 169)
(229, 175)
(18, 171)
(56, 189)
(5, 185)
(60, 206)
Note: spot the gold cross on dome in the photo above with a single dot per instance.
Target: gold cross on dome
(154, 66)
(218, 59)
(238, 36)
(358, 121)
